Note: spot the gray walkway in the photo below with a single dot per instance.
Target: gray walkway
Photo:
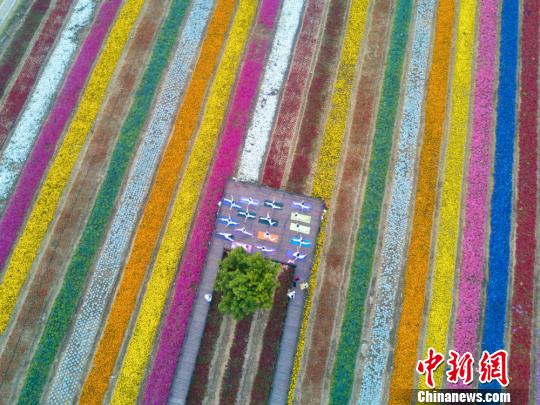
(280, 251)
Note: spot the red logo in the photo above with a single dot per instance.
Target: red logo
(494, 367)
(429, 365)
(461, 367)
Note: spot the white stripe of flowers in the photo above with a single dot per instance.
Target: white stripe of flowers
(261, 125)
(70, 371)
(20, 143)
(259, 132)
(372, 381)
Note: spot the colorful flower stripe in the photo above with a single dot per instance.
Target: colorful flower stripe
(15, 100)
(199, 380)
(318, 97)
(495, 323)
(147, 322)
(45, 205)
(49, 197)
(262, 384)
(17, 47)
(50, 265)
(471, 276)
(137, 185)
(330, 151)
(175, 323)
(394, 238)
(343, 371)
(78, 348)
(235, 362)
(258, 133)
(345, 205)
(291, 101)
(519, 364)
(19, 144)
(440, 309)
(417, 266)
(30, 179)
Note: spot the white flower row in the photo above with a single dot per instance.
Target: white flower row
(261, 125)
(70, 371)
(373, 384)
(19, 144)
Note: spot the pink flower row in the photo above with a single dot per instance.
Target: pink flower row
(471, 272)
(176, 321)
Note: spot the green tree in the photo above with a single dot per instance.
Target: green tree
(246, 282)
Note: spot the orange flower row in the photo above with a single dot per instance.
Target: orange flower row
(156, 207)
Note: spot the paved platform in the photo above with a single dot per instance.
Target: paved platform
(283, 227)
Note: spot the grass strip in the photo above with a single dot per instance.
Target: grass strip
(21, 40)
(343, 372)
(417, 262)
(235, 363)
(164, 269)
(212, 326)
(271, 340)
(235, 125)
(289, 112)
(495, 322)
(126, 218)
(467, 317)
(395, 232)
(47, 201)
(442, 287)
(519, 364)
(16, 99)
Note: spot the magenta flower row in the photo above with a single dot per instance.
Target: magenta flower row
(176, 321)
(471, 273)
(52, 130)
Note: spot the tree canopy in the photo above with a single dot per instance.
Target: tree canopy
(246, 282)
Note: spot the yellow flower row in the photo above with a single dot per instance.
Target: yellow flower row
(448, 226)
(48, 199)
(164, 269)
(325, 173)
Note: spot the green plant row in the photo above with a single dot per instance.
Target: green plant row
(65, 304)
(351, 329)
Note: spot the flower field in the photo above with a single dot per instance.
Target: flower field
(121, 122)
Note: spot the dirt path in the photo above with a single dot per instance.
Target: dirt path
(253, 352)
(314, 383)
(27, 326)
(217, 367)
